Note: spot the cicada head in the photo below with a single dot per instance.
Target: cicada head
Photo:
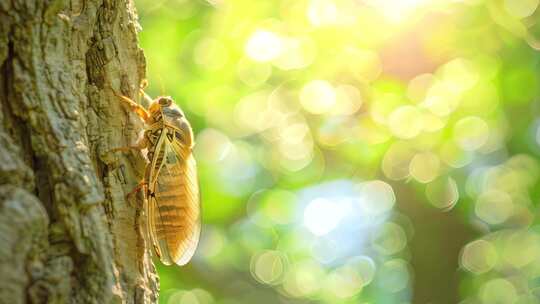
(165, 107)
(165, 101)
(159, 104)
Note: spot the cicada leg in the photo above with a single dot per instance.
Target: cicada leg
(135, 107)
(135, 190)
(139, 146)
(144, 84)
(146, 96)
(125, 149)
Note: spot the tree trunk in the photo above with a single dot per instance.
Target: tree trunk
(67, 233)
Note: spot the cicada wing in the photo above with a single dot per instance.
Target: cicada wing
(158, 240)
(192, 207)
(174, 218)
(154, 218)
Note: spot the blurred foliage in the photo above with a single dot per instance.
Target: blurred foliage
(327, 130)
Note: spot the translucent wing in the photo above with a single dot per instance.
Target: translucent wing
(173, 208)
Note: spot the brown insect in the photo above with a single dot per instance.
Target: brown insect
(171, 189)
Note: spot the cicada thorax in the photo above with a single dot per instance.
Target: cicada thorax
(173, 194)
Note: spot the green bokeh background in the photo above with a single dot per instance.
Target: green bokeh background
(356, 151)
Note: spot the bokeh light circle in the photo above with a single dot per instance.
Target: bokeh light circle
(424, 167)
(471, 133)
(498, 291)
(494, 206)
(521, 8)
(406, 122)
(268, 266)
(479, 257)
(318, 97)
(443, 193)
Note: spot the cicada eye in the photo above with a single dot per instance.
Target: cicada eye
(165, 101)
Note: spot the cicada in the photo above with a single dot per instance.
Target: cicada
(170, 184)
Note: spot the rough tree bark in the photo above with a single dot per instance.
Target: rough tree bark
(67, 234)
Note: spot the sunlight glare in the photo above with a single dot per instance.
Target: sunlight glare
(397, 10)
(263, 46)
(318, 97)
(322, 12)
(322, 216)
